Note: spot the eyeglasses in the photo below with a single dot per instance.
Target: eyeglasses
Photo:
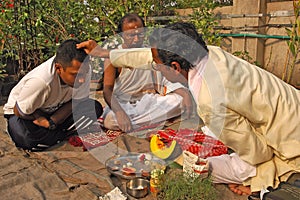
(154, 65)
(132, 35)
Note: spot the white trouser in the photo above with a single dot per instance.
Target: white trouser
(230, 169)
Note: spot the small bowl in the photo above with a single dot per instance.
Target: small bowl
(137, 187)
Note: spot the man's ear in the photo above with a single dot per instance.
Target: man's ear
(58, 68)
(175, 65)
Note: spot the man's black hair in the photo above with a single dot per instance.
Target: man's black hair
(130, 17)
(179, 42)
(67, 51)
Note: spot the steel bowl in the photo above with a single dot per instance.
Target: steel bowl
(137, 187)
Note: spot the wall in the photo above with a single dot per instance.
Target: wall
(266, 19)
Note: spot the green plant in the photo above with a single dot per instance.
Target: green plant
(2, 67)
(197, 3)
(224, 2)
(203, 18)
(246, 56)
(293, 44)
(180, 186)
(2, 71)
(30, 30)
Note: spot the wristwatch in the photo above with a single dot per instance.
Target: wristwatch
(52, 125)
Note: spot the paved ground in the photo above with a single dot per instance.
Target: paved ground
(63, 172)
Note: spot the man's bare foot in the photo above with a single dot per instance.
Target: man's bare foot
(240, 189)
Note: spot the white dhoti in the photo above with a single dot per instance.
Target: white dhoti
(151, 109)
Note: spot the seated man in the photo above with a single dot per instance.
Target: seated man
(137, 97)
(39, 109)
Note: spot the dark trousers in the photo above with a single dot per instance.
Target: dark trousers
(27, 135)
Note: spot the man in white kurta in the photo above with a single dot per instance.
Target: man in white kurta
(254, 113)
(249, 109)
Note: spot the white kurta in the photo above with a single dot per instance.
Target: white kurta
(253, 112)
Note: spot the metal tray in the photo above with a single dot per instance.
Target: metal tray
(143, 167)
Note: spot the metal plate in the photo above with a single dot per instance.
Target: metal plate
(143, 167)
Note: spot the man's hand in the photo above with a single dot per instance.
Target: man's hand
(123, 120)
(42, 121)
(92, 48)
(59, 116)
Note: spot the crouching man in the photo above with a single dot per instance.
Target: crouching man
(51, 102)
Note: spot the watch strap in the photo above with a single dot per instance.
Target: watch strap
(52, 124)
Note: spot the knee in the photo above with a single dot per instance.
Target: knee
(98, 109)
(20, 140)
(89, 107)
(17, 132)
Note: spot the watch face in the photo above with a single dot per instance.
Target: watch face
(52, 126)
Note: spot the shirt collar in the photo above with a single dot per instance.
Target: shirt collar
(198, 70)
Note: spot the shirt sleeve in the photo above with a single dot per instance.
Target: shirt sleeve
(140, 58)
(32, 96)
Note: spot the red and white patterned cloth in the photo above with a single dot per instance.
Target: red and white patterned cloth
(93, 137)
(195, 142)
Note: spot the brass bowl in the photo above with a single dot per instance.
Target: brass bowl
(137, 187)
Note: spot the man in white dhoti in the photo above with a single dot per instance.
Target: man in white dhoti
(137, 97)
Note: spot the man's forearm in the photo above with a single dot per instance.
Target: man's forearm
(36, 114)
(92, 48)
(135, 57)
(62, 113)
(100, 52)
(182, 92)
(112, 102)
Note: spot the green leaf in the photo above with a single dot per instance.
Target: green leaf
(292, 49)
(289, 31)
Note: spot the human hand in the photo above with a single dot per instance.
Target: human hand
(123, 120)
(41, 121)
(92, 48)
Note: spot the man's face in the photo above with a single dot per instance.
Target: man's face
(74, 75)
(133, 34)
(173, 73)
